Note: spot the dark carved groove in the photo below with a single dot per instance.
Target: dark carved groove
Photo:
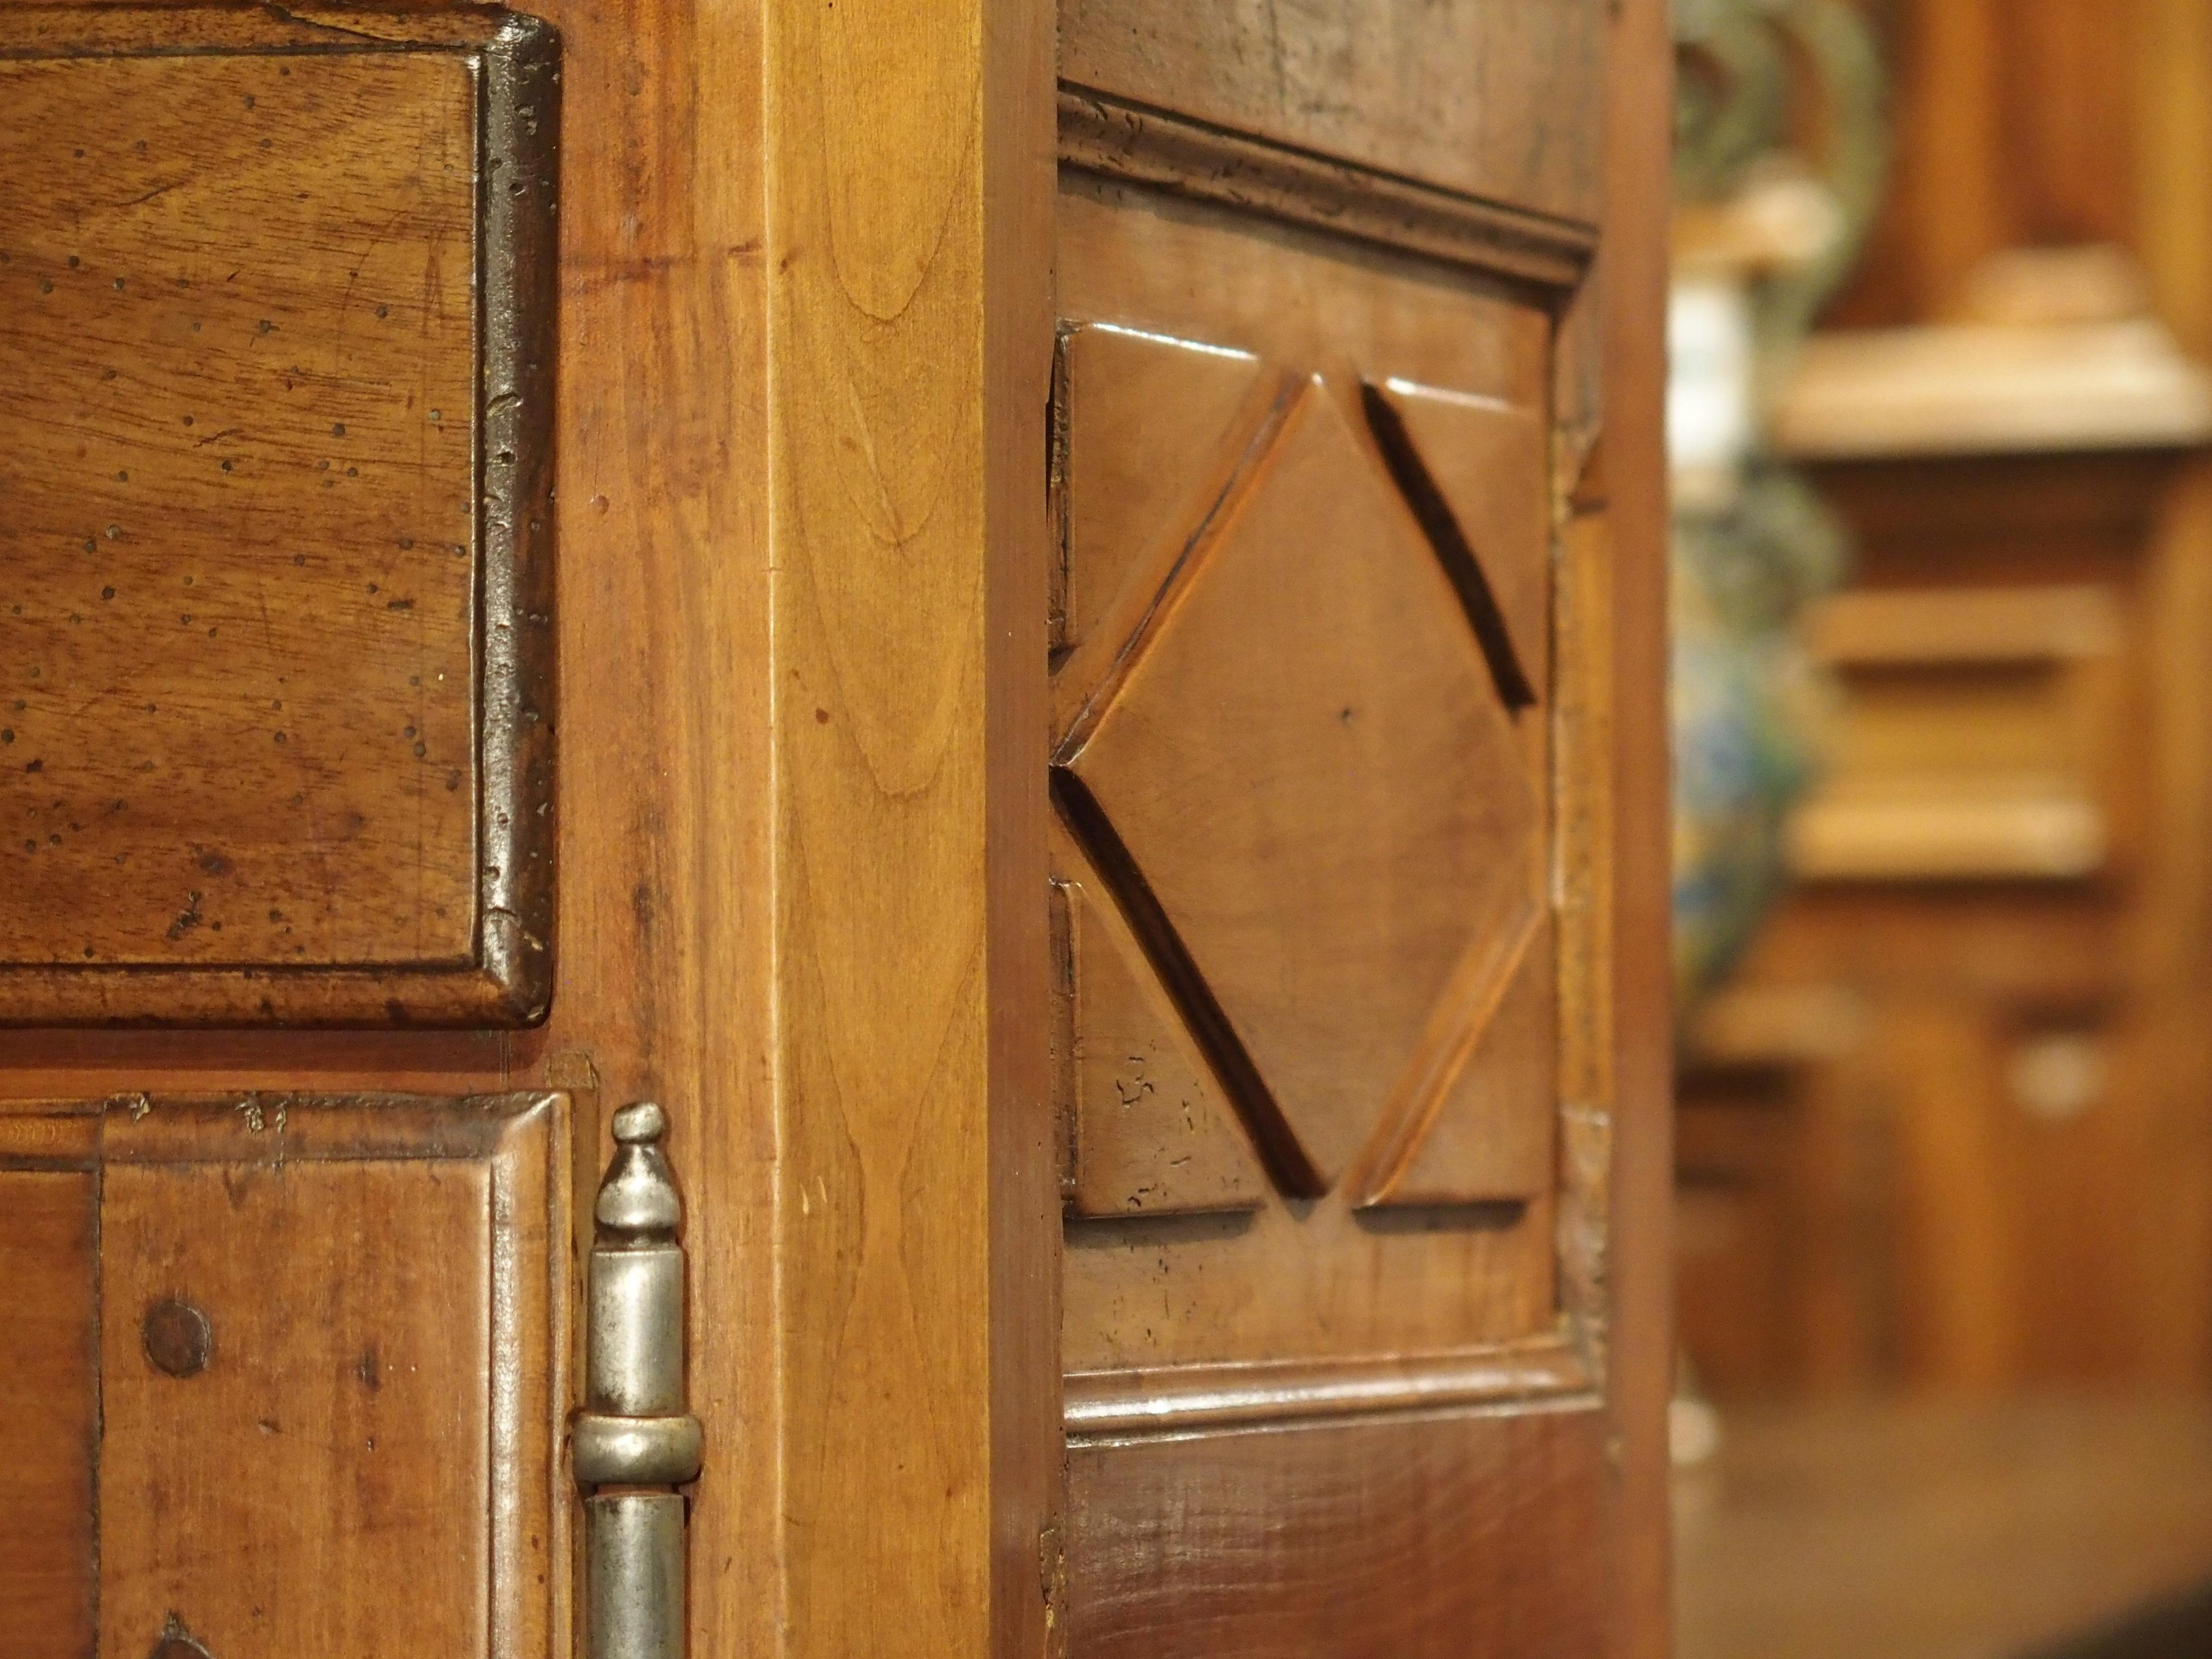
(1411, 474)
(1287, 1165)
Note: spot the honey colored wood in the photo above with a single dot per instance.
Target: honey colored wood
(1194, 158)
(344, 1409)
(1146, 1293)
(1616, 1073)
(1107, 1405)
(49, 1403)
(158, 513)
(1493, 1556)
(910, 338)
(249, 698)
(663, 790)
(1388, 85)
(823, 942)
(1278, 1284)
(1494, 1135)
(1489, 462)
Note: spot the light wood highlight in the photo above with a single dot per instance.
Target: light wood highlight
(1127, 1403)
(1140, 420)
(909, 160)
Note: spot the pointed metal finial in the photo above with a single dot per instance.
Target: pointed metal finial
(637, 1201)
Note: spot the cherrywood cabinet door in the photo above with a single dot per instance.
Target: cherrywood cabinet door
(1048, 627)
(1334, 785)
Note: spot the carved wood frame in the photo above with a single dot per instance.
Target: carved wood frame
(509, 980)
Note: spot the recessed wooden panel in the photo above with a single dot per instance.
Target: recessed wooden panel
(340, 1418)
(1306, 774)
(272, 717)
(329, 1360)
(1418, 1538)
(49, 1412)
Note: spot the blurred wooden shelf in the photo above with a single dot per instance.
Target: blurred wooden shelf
(1968, 389)
(1948, 1531)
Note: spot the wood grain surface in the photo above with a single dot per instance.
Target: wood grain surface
(241, 535)
(1496, 101)
(1278, 1540)
(49, 1412)
(1303, 755)
(1421, 1537)
(341, 1417)
(1141, 422)
(665, 790)
(806, 723)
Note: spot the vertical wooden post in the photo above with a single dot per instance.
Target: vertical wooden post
(1631, 285)
(909, 151)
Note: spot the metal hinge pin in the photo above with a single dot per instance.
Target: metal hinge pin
(633, 1443)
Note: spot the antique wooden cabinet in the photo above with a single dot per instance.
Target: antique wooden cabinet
(1944, 1128)
(1064, 667)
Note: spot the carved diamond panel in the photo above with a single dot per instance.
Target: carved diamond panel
(1303, 781)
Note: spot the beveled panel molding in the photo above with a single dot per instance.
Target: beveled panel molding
(1108, 136)
(277, 314)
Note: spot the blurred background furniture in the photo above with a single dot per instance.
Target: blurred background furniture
(1949, 1124)
(1944, 1136)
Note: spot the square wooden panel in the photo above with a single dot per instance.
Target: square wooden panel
(268, 1337)
(276, 314)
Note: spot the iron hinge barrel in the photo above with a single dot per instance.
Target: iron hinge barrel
(635, 1444)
